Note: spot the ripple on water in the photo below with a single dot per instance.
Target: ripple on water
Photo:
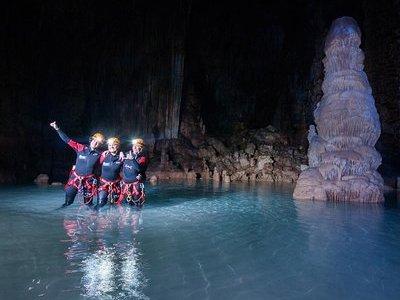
(196, 242)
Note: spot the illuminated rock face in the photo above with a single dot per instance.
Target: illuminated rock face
(342, 157)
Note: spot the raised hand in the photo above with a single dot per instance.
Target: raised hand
(121, 155)
(129, 155)
(54, 125)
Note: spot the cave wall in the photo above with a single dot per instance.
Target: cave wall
(138, 75)
(178, 69)
(382, 64)
(91, 66)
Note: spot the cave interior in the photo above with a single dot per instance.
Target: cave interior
(181, 70)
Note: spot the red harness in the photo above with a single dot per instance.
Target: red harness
(86, 185)
(133, 192)
(113, 189)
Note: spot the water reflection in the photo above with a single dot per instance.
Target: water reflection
(346, 239)
(103, 247)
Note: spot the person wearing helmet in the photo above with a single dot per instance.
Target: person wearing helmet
(81, 177)
(133, 174)
(111, 163)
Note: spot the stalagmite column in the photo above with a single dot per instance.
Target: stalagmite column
(342, 157)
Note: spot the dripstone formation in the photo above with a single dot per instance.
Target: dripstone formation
(342, 157)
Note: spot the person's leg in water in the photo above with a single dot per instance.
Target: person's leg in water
(89, 192)
(102, 200)
(70, 194)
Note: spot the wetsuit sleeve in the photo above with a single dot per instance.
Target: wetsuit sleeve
(74, 145)
(140, 164)
(63, 136)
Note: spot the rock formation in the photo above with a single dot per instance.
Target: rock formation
(42, 179)
(342, 157)
(253, 155)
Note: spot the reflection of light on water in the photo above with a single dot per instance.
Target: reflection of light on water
(99, 272)
(133, 280)
(101, 276)
(104, 249)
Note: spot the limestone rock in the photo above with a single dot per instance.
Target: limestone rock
(262, 161)
(225, 177)
(153, 178)
(216, 175)
(244, 162)
(303, 167)
(217, 145)
(255, 158)
(42, 179)
(191, 175)
(342, 156)
(250, 149)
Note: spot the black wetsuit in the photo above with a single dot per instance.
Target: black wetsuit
(110, 168)
(134, 167)
(86, 160)
(131, 186)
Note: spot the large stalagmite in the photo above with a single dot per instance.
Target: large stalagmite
(342, 157)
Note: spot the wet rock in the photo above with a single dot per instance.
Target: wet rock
(225, 176)
(153, 179)
(253, 177)
(216, 175)
(42, 179)
(191, 175)
(262, 161)
(244, 162)
(217, 145)
(255, 158)
(265, 149)
(250, 148)
(303, 167)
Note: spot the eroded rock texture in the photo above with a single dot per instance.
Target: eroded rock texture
(263, 155)
(342, 157)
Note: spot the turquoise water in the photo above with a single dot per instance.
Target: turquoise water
(198, 241)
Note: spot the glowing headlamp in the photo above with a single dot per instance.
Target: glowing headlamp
(138, 142)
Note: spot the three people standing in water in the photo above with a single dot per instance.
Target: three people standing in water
(109, 188)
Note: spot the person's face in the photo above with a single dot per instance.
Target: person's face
(136, 149)
(113, 147)
(94, 144)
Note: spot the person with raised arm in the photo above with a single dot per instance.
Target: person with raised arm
(82, 178)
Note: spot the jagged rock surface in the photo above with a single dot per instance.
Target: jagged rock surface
(342, 157)
(256, 155)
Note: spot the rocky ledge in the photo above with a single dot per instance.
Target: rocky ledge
(256, 155)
